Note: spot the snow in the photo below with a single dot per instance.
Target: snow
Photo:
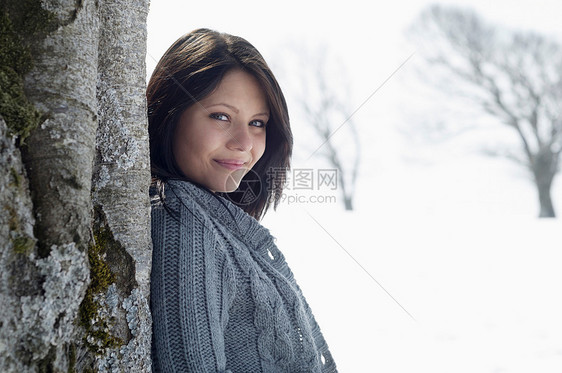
(483, 290)
(443, 265)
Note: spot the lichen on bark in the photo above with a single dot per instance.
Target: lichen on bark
(122, 176)
(39, 296)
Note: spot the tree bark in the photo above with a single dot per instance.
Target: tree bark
(121, 182)
(52, 277)
(75, 237)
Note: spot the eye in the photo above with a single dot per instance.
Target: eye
(258, 123)
(219, 116)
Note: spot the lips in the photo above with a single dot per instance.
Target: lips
(231, 164)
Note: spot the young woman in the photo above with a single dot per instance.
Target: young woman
(222, 296)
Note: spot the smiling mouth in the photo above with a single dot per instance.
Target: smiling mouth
(231, 164)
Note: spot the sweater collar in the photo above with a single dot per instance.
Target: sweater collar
(226, 213)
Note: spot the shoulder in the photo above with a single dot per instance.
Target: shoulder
(177, 213)
(180, 225)
(176, 196)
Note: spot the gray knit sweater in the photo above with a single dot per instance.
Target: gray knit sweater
(222, 296)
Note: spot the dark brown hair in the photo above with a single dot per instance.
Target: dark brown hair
(188, 72)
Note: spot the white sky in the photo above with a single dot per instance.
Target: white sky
(362, 30)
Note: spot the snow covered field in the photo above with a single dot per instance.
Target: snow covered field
(442, 267)
(485, 292)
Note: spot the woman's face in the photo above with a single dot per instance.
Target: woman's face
(220, 138)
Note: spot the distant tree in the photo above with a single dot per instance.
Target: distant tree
(321, 92)
(514, 76)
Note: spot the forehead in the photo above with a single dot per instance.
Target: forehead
(238, 88)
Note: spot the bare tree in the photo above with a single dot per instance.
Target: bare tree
(513, 76)
(74, 176)
(322, 95)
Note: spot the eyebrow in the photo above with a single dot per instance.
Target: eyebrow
(233, 108)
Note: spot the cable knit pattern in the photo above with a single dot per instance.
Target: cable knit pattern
(222, 296)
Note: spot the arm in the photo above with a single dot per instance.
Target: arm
(188, 314)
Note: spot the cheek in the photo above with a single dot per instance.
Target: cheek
(193, 141)
(260, 148)
(186, 149)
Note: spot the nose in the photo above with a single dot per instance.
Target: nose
(239, 138)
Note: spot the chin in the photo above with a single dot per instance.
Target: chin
(229, 190)
(232, 181)
(231, 185)
(226, 183)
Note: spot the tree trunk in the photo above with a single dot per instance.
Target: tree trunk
(346, 194)
(120, 185)
(544, 167)
(74, 231)
(546, 207)
(544, 184)
(348, 203)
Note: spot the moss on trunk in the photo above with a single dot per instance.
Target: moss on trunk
(98, 338)
(20, 21)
